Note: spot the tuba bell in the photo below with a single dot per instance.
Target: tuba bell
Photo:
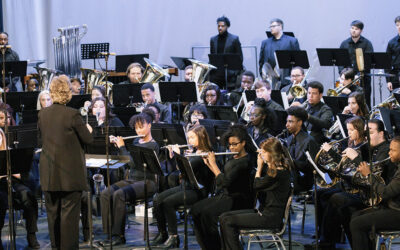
(45, 77)
(153, 72)
(200, 72)
(92, 78)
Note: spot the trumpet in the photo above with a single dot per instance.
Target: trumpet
(113, 138)
(338, 90)
(205, 154)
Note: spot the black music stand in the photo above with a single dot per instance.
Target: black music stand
(387, 121)
(78, 101)
(343, 118)
(280, 124)
(215, 128)
(92, 50)
(336, 103)
(15, 69)
(288, 59)
(127, 94)
(226, 62)
(333, 57)
(166, 134)
(21, 161)
(178, 92)
(21, 101)
(29, 116)
(148, 159)
(276, 96)
(222, 113)
(377, 60)
(122, 61)
(188, 176)
(250, 95)
(124, 113)
(181, 62)
(288, 33)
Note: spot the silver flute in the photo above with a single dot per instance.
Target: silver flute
(205, 154)
(179, 146)
(114, 138)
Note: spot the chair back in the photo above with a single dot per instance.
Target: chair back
(287, 211)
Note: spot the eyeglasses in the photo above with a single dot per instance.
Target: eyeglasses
(273, 26)
(295, 75)
(198, 116)
(254, 115)
(234, 144)
(211, 95)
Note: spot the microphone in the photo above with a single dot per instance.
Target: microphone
(97, 116)
(107, 53)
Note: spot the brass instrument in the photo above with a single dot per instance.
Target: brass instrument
(388, 103)
(270, 75)
(325, 161)
(93, 78)
(205, 154)
(298, 92)
(338, 90)
(200, 72)
(334, 129)
(45, 77)
(153, 72)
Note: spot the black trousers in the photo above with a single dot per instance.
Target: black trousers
(115, 197)
(63, 218)
(205, 215)
(341, 207)
(323, 196)
(166, 203)
(232, 222)
(363, 221)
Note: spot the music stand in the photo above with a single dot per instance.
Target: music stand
(333, 57)
(29, 116)
(181, 62)
(226, 62)
(188, 176)
(250, 95)
(124, 113)
(288, 59)
(92, 50)
(21, 101)
(166, 134)
(178, 92)
(288, 33)
(377, 60)
(78, 101)
(280, 124)
(336, 103)
(215, 128)
(122, 61)
(222, 113)
(276, 96)
(15, 69)
(127, 94)
(385, 117)
(343, 118)
(21, 161)
(148, 159)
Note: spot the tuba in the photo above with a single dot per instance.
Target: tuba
(153, 72)
(45, 77)
(200, 72)
(92, 78)
(326, 162)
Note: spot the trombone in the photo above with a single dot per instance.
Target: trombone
(338, 90)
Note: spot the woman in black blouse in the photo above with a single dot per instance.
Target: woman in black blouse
(165, 203)
(262, 120)
(233, 189)
(275, 183)
(98, 107)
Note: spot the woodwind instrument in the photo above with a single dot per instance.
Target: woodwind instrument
(205, 154)
(114, 138)
(179, 146)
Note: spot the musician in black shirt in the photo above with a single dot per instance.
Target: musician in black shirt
(393, 48)
(262, 120)
(347, 76)
(387, 215)
(275, 183)
(351, 44)
(131, 189)
(165, 203)
(247, 81)
(10, 54)
(233, 189)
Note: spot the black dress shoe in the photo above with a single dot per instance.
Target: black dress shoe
(159, 239)
(172, 242)
(32, 241)
(115, 241)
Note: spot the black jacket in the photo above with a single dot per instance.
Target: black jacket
(232, 45)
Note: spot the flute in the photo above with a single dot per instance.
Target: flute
(205, 154)
(179, 146)
(114, 138)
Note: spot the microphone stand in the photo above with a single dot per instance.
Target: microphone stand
(9, 175)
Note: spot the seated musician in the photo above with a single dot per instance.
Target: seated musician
(6, 110)
(386, 216)
(98, 108)
(134, 72)
(97, 91)
(262, 120)
(188, 73)
(275, 183)
(148, 96)
(347, 76)
(153, 111)
(166, 203)
(44, 100)
(233, 186)
(263, 90)
(296, 79)
(320, 115)
(23, 198)
(356, 105)
(298, 143)
(31, 85)
(346, 200)
(245, 84)
(132, 188)
(196, 112)
(76, 86)
(212, 96)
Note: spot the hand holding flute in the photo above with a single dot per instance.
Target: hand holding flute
(119, 140)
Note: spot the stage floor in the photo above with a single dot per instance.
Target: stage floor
(134, 234)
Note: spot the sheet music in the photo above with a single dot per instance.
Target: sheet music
(285, 100)
(92, 162)
(323, 175)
